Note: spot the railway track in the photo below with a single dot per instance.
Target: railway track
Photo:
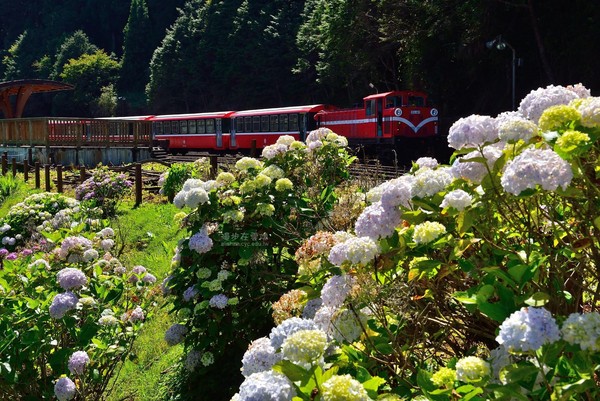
(368, 170)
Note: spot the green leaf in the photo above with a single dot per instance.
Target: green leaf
(538, 299)
(294, 372)
(372, 385)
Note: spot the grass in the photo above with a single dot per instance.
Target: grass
(145, 235)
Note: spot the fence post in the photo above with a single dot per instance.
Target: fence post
(47, 176)
(59, 178)
(25, 170)
(4, 163)
(214, 165)
(81, 174)
(138, 184)
(253, 148)
(30, 155)
(37, 175)
(14, 166)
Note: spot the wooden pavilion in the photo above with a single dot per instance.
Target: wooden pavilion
(23, 89)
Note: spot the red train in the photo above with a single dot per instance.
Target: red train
(398, 120)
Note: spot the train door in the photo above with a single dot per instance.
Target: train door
(219, 132)
(302, 123)
(379, 117)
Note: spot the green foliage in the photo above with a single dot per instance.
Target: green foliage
(72, 48)
(40, 335)
(137, 49)
(90, 73)
(104, 190)
(107, 102)
(244, 228)
(172, 180)
(8, 185)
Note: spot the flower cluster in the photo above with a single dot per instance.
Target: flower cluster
(534, 167)
(260, 356)
(344, 388)
(472, 369)
(266, 386)
(104, 189)
(78, 361)
(528, 329)
(289, 305)
(428, 232)
(356, 250)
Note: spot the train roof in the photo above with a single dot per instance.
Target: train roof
(129, 118)
(394, 93)
(313, 108)
(192, 116)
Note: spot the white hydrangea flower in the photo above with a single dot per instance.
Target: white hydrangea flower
(347, 326)
(534, 104)
(344, 388)
(260, 356)
(475, 171)
(472, 131)
(336, 290)
(517, 128)
(289, 326)
(377, 221)
(427, 162)
(534, 167)
(429, 182)
(266, 386)
(590, 112)
(247, 163)
(195, 197)
(582, 329)
(472, 369)
(458, 199)
(528, 329)
(285, 140)
(398, 192)
(428, 231)
(356, 250)
(305, 347)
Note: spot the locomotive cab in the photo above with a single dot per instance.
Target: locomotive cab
(401, 121)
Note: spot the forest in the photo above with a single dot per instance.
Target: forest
(175, 56)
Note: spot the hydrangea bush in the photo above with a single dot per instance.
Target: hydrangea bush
(172, 180)
(69, 311)
(104, 189)
(244, 227)
(474, 280)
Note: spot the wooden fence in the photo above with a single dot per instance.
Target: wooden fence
(57, 176)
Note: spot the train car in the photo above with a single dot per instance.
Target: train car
(262, 127)
(179, 133)
(399, 120)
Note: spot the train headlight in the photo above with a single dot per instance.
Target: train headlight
(398, 112)
(434, 112)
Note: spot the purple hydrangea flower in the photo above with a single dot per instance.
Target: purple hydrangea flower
(65, 389)
(62, 303)
(78, 361)
(69, 278)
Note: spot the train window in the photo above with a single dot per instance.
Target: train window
(193, 126)
(274, 123)
(393, 101)
(201, 127)
(416, 101)
(370, 107)
(239, 124)
(210, 126)
(256, 124)
(184, 127)
(175, 127)
(293, 122)
(264, 123)
(283, 122)
(248, 124)
(158, 128)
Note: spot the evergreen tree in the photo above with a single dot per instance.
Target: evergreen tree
(137, 52)
(73, 47)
